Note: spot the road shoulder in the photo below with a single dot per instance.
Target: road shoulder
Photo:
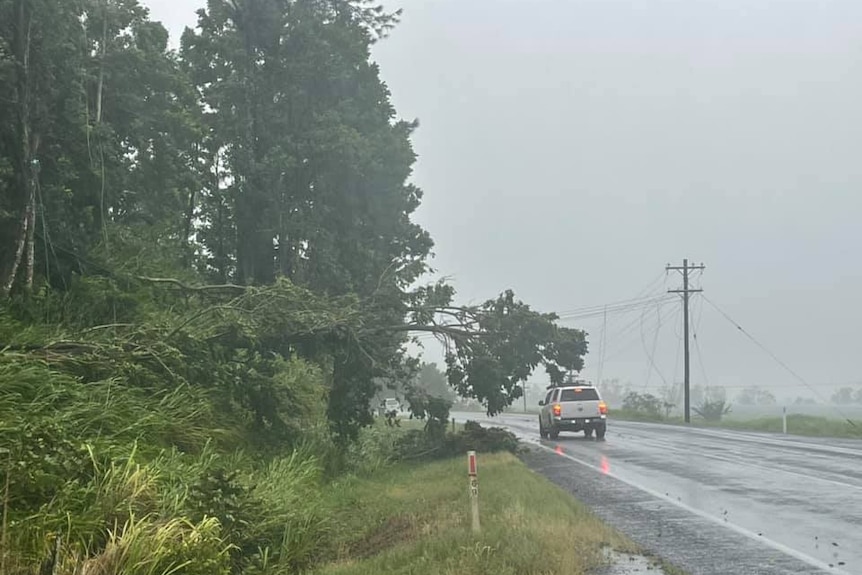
(692, 543)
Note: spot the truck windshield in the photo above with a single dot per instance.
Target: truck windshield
(579, 394)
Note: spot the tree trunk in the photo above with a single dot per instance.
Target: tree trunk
(103, 215)
(104, 50)
(10, 271)
(222, 258)
(29, 259)
(190, 216)
(22, 196)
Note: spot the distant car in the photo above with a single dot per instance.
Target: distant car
(576, 407)
(389, 405)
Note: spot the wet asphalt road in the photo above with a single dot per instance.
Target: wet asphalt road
(714, 501)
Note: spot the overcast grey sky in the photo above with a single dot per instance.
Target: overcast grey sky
(569, 149)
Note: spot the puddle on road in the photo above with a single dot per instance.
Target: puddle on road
(627, 564)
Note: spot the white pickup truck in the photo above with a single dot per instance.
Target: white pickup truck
(389, 405)
(573, 407)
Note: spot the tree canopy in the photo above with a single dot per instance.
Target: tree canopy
(246, 200)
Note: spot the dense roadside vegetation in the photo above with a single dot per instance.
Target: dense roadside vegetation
(208, 269)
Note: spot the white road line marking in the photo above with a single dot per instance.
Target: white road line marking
(740, 530)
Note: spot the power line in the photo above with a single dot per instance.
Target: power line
(627, 329)
(676, 366)
(640, 296)
(651, 355)
(618, 307)
(615, 336)
(619, 325)
(661, 278)
(777, 386)
(632, 328)
(774, 357)
(602, 351)
(697, 342)
(620, 310)
(611, 316)
(645, 299)
(600, 307)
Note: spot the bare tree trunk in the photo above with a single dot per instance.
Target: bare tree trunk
(99, 96)
(190, 216)
(187, 226)
(21, 51)
(11, 273)
(104, 51)
(30, 254)
(284, 235)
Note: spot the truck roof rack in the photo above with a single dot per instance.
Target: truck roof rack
(572, 381)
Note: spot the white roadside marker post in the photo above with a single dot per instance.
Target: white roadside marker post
(784, 420)
(474, 489)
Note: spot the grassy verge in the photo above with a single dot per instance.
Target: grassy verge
(631, 415)
(797, 424)
(415, 519)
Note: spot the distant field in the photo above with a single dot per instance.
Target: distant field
(829, 411)
(797, 423)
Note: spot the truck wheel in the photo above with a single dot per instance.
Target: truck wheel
(600, 432)
(555, 433)
(588, 432)
(542, 433)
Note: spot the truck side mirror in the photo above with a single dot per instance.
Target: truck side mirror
(541, 402)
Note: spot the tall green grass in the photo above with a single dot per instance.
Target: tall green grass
(34, 397)
(177, 513)
(104, 477)
(117, 520)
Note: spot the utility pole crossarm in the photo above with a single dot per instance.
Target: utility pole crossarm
(684, 267)
(686, 291)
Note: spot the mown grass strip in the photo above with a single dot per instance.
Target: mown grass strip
(415, 519)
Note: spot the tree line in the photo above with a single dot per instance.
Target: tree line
(205, 214)
(209, 268)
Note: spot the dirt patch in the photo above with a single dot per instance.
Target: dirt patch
(388, 534)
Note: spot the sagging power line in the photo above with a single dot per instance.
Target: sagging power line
(694, 329)
(772, 355)
(618, 307)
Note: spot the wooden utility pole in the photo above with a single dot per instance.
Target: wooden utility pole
(686, 291)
